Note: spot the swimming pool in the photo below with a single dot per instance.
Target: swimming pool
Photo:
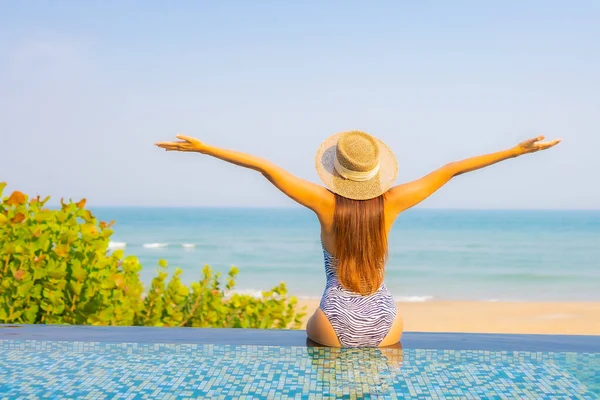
(140, 362)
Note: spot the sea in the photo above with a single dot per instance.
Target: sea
(484, 255)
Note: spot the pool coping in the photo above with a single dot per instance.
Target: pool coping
(277, 337)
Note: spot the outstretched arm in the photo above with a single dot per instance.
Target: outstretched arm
(407, 195)
(310, 195)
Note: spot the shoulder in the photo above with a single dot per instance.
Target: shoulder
(325, 208)
(390, 206)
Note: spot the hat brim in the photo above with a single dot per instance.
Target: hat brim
(364, 190)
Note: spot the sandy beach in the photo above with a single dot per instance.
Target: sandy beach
(576, 318)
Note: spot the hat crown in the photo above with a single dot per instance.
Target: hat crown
(357, 151)
(356, 165)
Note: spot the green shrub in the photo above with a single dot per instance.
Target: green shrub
(55, 268)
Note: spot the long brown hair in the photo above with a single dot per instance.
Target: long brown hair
(360, 243)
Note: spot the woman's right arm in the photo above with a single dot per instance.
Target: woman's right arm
(308, 194)
(407, 195)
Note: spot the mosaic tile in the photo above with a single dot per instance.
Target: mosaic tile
(52, 369)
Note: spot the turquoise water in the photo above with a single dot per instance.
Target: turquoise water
(35, 369)
(434, 254)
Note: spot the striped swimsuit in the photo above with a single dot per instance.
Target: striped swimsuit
(358, 321)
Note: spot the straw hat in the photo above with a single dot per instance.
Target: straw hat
(356, 165)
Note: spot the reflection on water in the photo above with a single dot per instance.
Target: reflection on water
(353, 372)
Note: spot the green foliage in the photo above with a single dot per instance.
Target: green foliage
(55, 268)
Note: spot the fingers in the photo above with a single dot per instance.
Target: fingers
(537, 146)
(165, 145)
(172, 144)
(175, 146)
(188, 139)
(547, 145)
(534, 140)
(184, 140)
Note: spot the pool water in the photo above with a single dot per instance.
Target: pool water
(44, 368)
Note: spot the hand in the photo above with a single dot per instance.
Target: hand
(186, 143)
(535, 144)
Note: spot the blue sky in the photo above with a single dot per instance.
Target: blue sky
(86, 88)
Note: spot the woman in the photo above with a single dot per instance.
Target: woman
(356, 212)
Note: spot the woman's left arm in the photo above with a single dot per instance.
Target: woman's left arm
(310, 195)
